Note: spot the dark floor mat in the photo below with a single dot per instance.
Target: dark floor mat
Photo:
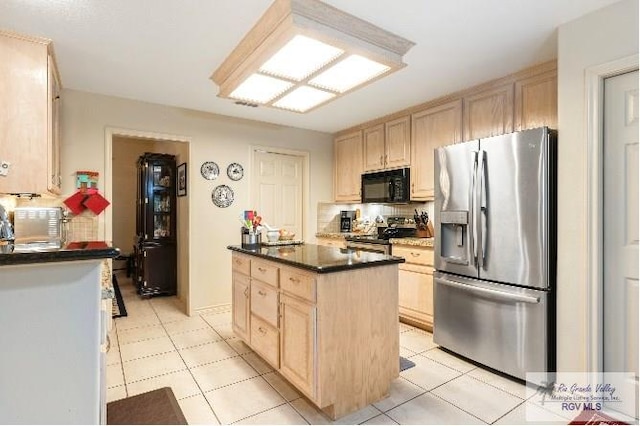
(157, 407)
(405, 363)
(119, 309)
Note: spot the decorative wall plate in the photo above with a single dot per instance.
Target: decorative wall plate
(235, 171)
(222, 196)
(209, 170)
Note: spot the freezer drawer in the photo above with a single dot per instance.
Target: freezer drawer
(504, 327)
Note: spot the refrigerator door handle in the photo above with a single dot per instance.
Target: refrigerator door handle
(473, 232)
(483, 208)
(496, 294)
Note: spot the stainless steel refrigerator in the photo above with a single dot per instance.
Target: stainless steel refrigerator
(495, 251)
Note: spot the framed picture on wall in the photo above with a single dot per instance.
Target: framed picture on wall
(182, 180)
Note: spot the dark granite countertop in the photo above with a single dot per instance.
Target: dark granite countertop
(320, 259)
(21, 254)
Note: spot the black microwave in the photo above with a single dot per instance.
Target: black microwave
(391, 186)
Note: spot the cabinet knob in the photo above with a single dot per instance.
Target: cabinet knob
(294, 280)
(381, 160)
(262, 293)
(385, 158)
(262, 330)
(246, 292)
(415, 254)
(262, 270)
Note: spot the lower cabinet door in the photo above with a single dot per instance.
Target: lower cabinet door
(298, 343)
(240, 308)
(415, 294)
(264, 340)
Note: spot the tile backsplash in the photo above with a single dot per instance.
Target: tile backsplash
(329, 213)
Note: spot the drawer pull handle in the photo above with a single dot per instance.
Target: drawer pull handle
(262, 330)
(262, 270)
(262, 293)
(415, 254)
(246, 292)
(294, 280)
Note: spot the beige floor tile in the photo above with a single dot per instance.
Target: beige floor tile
(239, 346)
(189, 324)
(382, 419)
(113, 336)
(282, 415)
(113, 356)
(225, 331)
(315, 417)
(244, 399)
(116, 393)
(282, 386)
(171, 314)
(220, 318)
(222, 373)
(477, 398)
(197, 411)
(146, 348)
(416, 341)
(451, 361)
(529, 413)
(157, 365)
(181, 383)
(430, 410)
(138, 309)
(428, 374)
(401, 391)
(127, 323)
(171, 302)
(114, 375)
(205, 354)
(142, 333)
(504, 383)
(193, 338)
(259, 364)
(405, 327)
(406, 353)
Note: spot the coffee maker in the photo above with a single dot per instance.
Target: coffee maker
(346, 220)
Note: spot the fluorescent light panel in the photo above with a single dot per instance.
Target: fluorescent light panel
(349, 73)
(299, 58)
(260, 89)
(303, 98)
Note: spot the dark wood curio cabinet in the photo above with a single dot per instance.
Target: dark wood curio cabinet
(156, 251)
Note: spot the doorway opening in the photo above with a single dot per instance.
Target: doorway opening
(124, 147)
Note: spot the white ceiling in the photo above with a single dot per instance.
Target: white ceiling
(163, 51)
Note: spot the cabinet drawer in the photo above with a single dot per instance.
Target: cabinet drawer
(264, 340)
(265, 272)
(264, 302)
(417, 255)
(241, 263)
(299, 284)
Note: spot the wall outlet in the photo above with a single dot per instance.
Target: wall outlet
(4, 168)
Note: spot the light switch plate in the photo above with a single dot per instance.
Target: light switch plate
(4, 168)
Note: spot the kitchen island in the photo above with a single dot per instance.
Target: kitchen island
(325, 318)
(53, 329)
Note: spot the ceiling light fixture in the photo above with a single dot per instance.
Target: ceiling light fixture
(303, 53)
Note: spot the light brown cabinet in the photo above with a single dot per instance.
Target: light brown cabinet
(311, 326)
(348, 167)
(536, 101)
(432, 128)
(240, 310)
(298, 343)
(29, 99)
(388, 145)
(415, 285)
(488, 113)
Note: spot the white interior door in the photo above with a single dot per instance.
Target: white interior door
(621, 228)
(277, 189)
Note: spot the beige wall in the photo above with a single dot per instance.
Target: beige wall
(87, 117)
(600, 37)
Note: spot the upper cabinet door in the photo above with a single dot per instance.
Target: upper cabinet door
(430, 129)
(373, 146)
(536, 101)
(398, 143)
(489, 113)
(348, 167)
